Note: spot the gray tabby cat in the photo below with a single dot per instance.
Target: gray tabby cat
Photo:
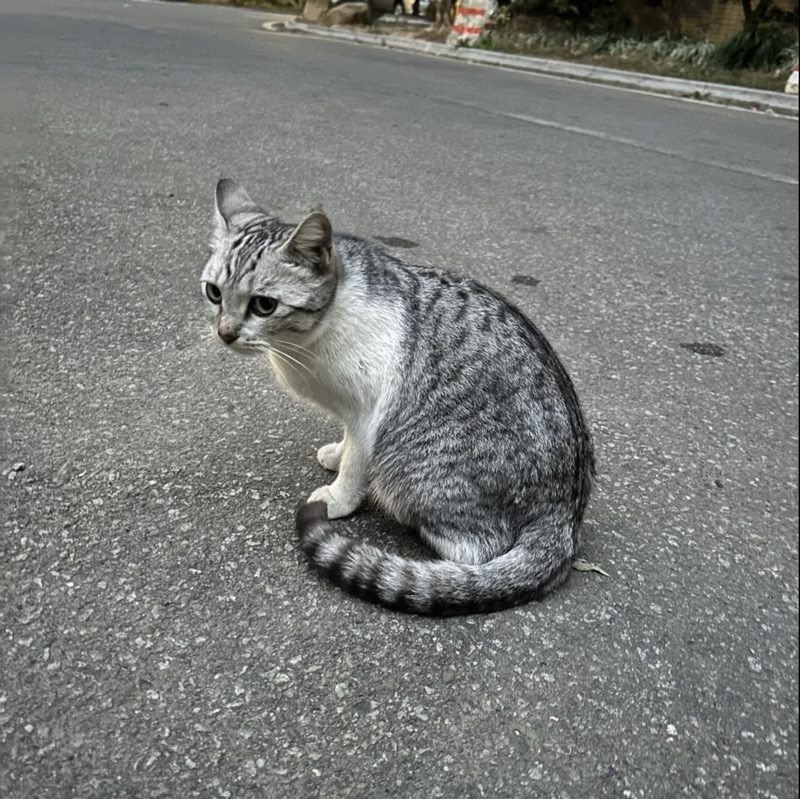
(457, 414)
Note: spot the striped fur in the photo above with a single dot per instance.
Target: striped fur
(437, 587)
(458, 416)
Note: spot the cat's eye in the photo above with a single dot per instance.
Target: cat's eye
(263, 306)
(213, 293)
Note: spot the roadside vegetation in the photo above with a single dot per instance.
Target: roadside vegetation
(755, 59)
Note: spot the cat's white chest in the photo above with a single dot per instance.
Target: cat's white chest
(351, 367)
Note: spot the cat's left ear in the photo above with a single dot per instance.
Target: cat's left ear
(232, 199)
(312, 240)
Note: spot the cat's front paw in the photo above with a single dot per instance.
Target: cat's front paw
(330, 456)
(339, 502)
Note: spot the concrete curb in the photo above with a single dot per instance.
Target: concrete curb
(673, 87)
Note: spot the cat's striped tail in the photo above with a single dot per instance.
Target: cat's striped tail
(437, 587)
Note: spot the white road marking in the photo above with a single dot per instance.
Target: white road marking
(597, 134)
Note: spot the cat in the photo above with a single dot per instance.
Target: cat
(458, 416)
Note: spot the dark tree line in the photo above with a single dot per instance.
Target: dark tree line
(610, 15)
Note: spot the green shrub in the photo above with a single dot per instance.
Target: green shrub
(698, 54)
(609, 18)
(664, 48)
(757, 48)
(790, 56)
(598, 16)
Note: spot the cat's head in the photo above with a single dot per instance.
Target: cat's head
(266, 280)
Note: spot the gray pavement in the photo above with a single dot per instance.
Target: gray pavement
(162, 636)
(703, 91)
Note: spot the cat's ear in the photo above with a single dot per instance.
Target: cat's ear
(232, 199)
(312, 240)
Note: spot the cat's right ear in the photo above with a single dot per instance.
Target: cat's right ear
(232, 199)
(312, 241)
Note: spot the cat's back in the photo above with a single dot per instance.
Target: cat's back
(438, 302)
(467, 349)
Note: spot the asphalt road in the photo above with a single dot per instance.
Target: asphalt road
(160, 634)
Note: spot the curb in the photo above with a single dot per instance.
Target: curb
(774, 102)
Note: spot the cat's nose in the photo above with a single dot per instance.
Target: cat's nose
(228, 336)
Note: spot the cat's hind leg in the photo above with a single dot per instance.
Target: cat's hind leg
(467, 546)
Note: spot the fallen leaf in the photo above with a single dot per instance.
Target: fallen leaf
(585, 566)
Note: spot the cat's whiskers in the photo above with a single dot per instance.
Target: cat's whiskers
(206, 334)
(284, 354)
(284, 357)
(288, 362)
(296, 347)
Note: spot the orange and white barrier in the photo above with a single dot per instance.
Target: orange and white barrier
(471, 20)
(791, 84)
